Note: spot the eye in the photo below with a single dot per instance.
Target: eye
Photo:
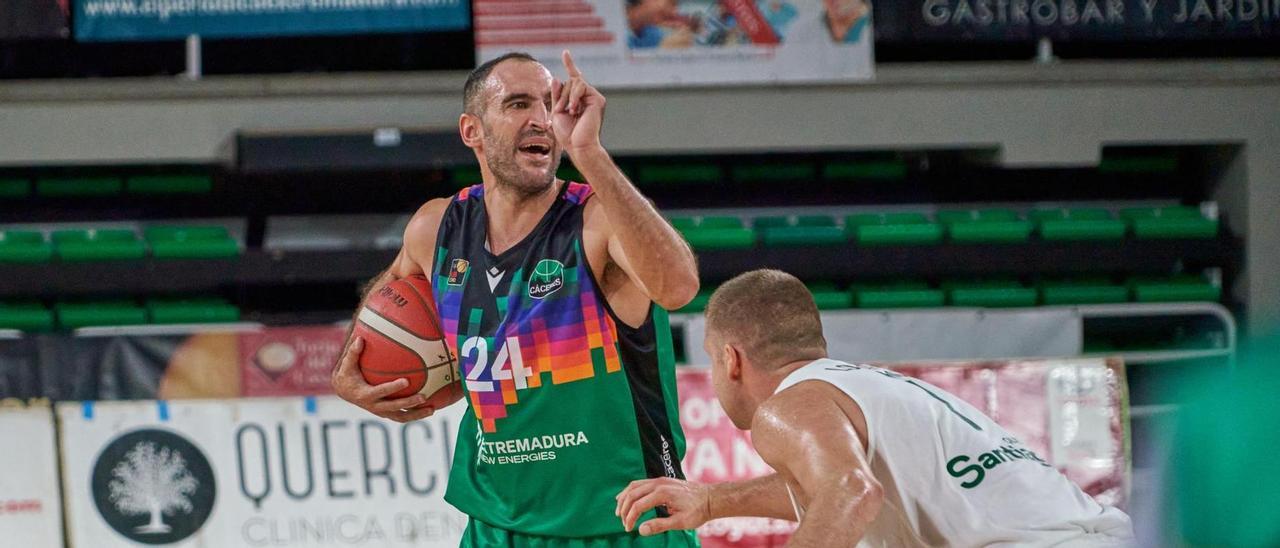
(519, 104)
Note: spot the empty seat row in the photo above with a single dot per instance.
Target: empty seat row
(164, 242)
(1002, 293)
(963, 226)
(105, 186)
(34, 316)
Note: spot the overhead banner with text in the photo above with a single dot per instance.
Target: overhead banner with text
(109, 20)
(1024, 20)
(647, 43)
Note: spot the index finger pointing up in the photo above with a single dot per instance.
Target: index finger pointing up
(568, 65)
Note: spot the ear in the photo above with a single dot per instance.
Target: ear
(471, 130)
(733, 362)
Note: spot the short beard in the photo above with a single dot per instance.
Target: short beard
(507, 173)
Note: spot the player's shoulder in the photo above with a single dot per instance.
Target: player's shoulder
(420, 233)
(799, 407)
(428, 216)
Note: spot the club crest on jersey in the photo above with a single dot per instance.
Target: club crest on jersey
(458, 271)
(547, 278)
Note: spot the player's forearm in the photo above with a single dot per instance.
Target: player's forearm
(660, 258)
(764, 497)
(839, 514)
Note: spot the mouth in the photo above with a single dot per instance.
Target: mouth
(536, 148)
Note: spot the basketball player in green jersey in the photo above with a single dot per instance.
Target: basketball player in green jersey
(547, 292)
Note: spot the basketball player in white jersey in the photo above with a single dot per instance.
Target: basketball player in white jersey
(862, 454)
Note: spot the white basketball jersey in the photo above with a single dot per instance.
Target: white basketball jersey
(953, 477)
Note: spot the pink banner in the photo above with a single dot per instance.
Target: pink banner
(289, 361)
(1072, 411)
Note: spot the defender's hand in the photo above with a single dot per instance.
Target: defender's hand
(688, 504)
(350, 385)
(577, 110)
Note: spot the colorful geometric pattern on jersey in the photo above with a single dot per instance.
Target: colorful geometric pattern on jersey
(567, 403)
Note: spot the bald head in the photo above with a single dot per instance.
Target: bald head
(770, 315)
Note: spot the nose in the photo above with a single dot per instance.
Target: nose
(540, 117)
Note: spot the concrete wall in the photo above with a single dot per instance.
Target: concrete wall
(1050, 115)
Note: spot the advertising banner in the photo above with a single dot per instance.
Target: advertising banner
(647, 43)
(30, 509)
(255, 472)
(289, 361)
(108, 20)
(1026, 20)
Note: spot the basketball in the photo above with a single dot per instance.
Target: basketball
(403, 340)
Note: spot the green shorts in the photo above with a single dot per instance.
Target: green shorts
(482, 535)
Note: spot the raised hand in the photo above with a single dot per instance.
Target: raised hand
(350, 385)
(577, 110)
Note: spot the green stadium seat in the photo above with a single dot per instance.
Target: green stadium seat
(892, 229)
(191, 310)
(985, 226)
(778, 172)
(994, 294)
(679, 173)
(1063, 214)
(14, 188)
(720, 238)
(715, 232)
(905, 294)
(98, 245)
(26, 316)
(191, 242)
(74, 315)
(720, 222)
(1078, 224)
(977, 215)
(804, 230)
(1169, 222)
(1082, 291)
(761, 223)
(827, 297)
(815, 220)
(79, 187)
(1187, 288)
(683, 223)
(169, 184)
(838, 171)
(24, 246)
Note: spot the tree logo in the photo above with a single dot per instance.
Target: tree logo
(153, 486)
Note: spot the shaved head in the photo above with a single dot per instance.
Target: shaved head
(770, 315)
(472, 96)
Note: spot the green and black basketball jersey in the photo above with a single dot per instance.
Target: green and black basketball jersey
(567, 404)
